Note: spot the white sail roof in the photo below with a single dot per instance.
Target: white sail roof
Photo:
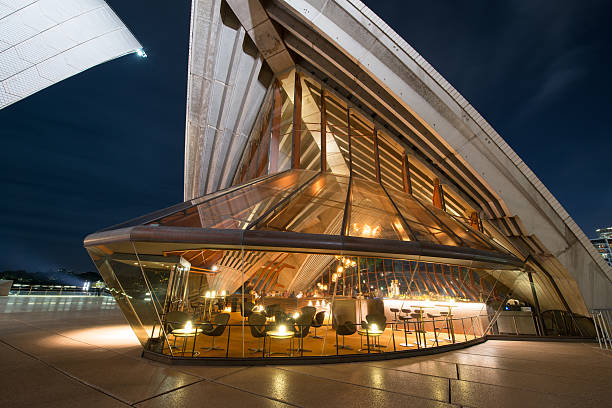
(45, 41)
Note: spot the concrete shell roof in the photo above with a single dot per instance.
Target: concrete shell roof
(45, 41)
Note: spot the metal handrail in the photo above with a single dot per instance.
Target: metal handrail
(602, 319)
(372, 346)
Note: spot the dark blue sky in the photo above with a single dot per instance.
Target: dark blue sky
(108, 144)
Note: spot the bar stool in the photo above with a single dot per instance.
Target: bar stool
(406, 320)
(447, 327)
(395, 311)
(419, 328)
(435, 329)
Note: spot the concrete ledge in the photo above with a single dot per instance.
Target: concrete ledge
(527, 337)
(347, 358)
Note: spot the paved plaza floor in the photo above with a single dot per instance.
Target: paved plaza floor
(79, 352)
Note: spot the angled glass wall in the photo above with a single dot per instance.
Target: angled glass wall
(334, 241)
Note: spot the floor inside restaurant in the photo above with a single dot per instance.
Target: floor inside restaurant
(78, 351)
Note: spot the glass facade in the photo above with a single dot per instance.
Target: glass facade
(333, 241)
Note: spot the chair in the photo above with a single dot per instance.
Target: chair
(343, 316)
(176, 320)
(380, 320)
(302, 326)
(375, 306)
(318, 322)
(215, 329)
(248, 309)
(345, 329)
(257, 323)
(271, 309)
(309, 309)
(280, 318)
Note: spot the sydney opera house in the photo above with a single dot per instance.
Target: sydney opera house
(342, 202)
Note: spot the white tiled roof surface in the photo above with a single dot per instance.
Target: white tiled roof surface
(45, 41)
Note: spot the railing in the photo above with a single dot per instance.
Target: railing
(398, 337)
(603, 326)
(53, 290)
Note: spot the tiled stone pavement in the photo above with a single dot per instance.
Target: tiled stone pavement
(78, 352)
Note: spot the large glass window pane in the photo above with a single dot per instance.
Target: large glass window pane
(424, 226)
(238, 208)
(337, 139)
(372, 215)
(310, 135)
(318, 209)
(362, 147)
(122, 272)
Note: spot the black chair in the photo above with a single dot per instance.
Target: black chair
(378, 319)
(215, 329)
(318, 322)
(343, 315)
(309, 309)
(381, 323)
(345, 329)
(271, 309)
(248, 309)
(302, 326)
(257, 323)
(176, 320)
(281, 318)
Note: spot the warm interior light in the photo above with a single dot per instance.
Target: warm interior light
(296, 315)
(213, 294)
(374, 327)
(188, 326)
(207, 294)
(222, 293)
(282, 329)
(228, 309)
(317, 304)
(310, 303)
(340, 269)
(214, 268)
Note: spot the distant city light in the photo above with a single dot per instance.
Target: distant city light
(141, 53)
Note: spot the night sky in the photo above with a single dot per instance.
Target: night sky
(108, 145)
